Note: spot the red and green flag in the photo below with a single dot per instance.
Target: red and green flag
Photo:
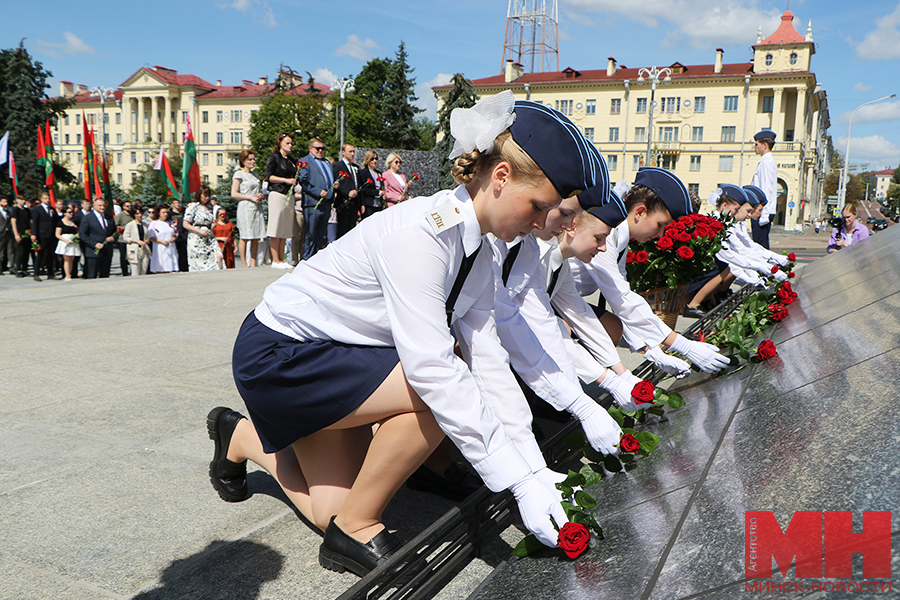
(107, 188)
(13, 175)
(88, 158)
(190, 177)
(44, 148)
(95, 170)
(162, 164)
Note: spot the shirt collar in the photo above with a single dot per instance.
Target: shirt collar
(471, 234)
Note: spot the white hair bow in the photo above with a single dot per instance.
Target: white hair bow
(714, 197)
(622, 187)
(479, 126)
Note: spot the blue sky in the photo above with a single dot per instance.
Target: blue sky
(102, 42)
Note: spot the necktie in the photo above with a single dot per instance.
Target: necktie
(325, 171)
(464, 269)
(621, 254)
(510, 260)
(553, 280)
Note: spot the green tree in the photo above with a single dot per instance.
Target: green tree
(24, 105)
(837, 160)
(461, 95)
(150, 185)
(398, 111)
(426, 128)
(294, 110)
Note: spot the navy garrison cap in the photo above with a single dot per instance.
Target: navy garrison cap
(737, 194)
(668, 187)
(594, 197)
(765, 133)
(567, 158)
(760, 195)
(612, 212)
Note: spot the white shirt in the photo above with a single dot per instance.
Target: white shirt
(741, 263)
(396, 270)
(766, 178)
(641, 325)
(744, 237)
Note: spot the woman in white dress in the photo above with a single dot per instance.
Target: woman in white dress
(201, 241)
(67, 247)
(250, 222)
(164, 258)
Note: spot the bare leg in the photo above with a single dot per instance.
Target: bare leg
(67, 266)
(276, 249)
(254, 249)
(612, 325)
(710, 287)
(242, 251)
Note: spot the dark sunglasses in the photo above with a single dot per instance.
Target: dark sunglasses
(317, 147)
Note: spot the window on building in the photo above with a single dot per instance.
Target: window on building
(668, 134)
(235, 116)
(731, 103)
(118, 118)
(118, 138)
(614, 134)
(78, 119)
(768, 103)
(90, 118)
(668, 161)
(219, 179)
(118, 158)
(146, 117)
(119, 178)
(219, 116)
(769, 59)
(793, 58)
(640, 134)
(66, 119)
(699, 104)
(671, 105)
(615, 106)
(220, 138)
(696, 134)
(694, 188)
(789, 135)
(204, 116)
(564, 106)
(106, 138)
(105, 118)
(133, 118)
(205, 159)
(237, 137)
(78, 138)
(695, 162)
(728, 133)
(205, 179)
(612, 162)
(204, 138)
(590, 107)
(68, 156)
(726, 162)
(79, 158)
(220, 159)
(589, 133)
(641, 105)
(133, 178)
(67, 138)
(635, 162)
(146, 157)
(134, 158)
(184, 115)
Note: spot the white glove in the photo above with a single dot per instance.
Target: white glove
(537, 503)
(671, 365)
(706, 356)
(601, 430)
(780, 276)
(780, 259)
(620, 386)
(550, 478)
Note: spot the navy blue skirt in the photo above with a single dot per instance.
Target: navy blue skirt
(293, 389)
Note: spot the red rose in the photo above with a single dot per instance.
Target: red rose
(629, 443)
(629, 258)
(787, 286)
(684, 252)
(643, 392)
(369, 180)
(678, 225)
(785, 296)
(766, 350)
(778, 312)
(641, 257)
(664, 243)
(573, 539)
(791, 274)
(792, 257)
(775, 269)
(682, 236)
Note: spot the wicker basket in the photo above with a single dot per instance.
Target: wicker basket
(667, 303)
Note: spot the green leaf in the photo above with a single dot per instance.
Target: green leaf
(611, 463)
(590, 475)
(627, 421)
(676, 400)
(584, 500)
(656, 410)
(591, 454)
(576, 440)
(744, 353)
(625, 457)
(597, 468)
(528, 545)
(647, 440)
(565, 490)
(574, 479)
(595, 526)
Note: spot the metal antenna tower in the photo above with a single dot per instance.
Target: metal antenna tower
(532, 35)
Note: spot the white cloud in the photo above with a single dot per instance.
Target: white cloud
(357, 48)
(870, 149)
(874, 113)
(698, 23)
(884, 42)
(426, 96)
(861, 87)
(259, 10)
(72, 45)
(322, 75)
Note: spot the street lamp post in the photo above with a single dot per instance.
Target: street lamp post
(653, 74)
(344, 86)
(843, 193)
(103, 93)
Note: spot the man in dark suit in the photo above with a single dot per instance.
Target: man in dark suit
(316, 181)
(20, 218)
(7, 241)
(43, 225)
(97, 231)
(346, 196)
(77, 217)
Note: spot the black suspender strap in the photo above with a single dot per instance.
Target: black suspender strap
(464, 269)
(553, 279)
(510, 260)
(621, 254)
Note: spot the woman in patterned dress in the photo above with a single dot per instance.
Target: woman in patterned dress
(201, 242)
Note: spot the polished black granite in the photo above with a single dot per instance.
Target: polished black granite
(813, 429)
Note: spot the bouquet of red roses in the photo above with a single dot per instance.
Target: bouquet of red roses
(684, 252)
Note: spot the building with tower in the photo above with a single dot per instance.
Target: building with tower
(698, 120)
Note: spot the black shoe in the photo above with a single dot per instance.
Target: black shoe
(36, 278)
(229, 478)
(693, 313)
(457, 484)
(20, 274)
(340, 552)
